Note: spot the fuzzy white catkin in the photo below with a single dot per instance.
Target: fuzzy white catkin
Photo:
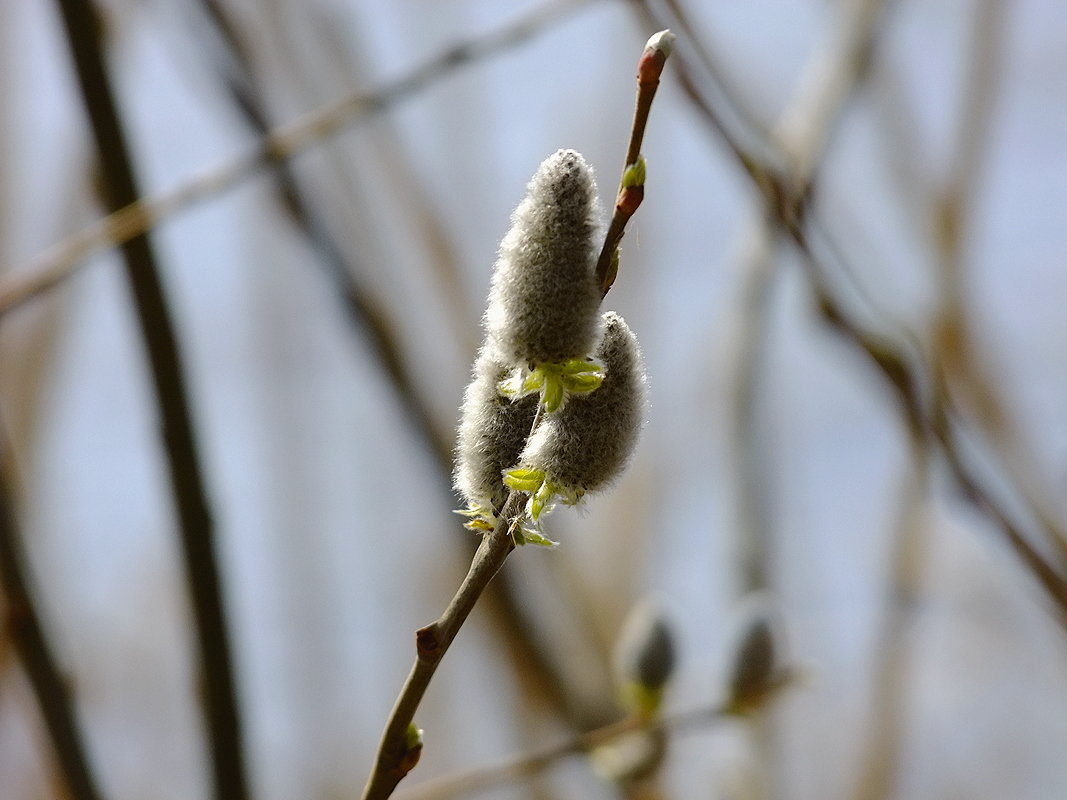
(586, 445)
(492, 432)
(544, 296)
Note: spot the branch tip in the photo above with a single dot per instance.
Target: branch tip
(661, 42)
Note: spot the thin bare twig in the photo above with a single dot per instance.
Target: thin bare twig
(966, 378)
(222, 719)
(396, 755)
(528, 765)
(802, 133)
(60, 261)
(632, 186)
(894, 645)
(401, 744)
(27, 633)
(924, 404)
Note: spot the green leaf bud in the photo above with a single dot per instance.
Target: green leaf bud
(492, 431)
(531, 534)
(412, 748)
(544, 295)
(635, 173)
(524, 480)
(554, 382)
(586, 445)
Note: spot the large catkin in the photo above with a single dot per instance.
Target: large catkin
(544, 296)
(492, 432)
(586, 445)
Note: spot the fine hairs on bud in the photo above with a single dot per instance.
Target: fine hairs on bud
(544, 295)
(586, 445)
(492, 433)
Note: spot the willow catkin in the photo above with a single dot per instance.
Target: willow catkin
(492, 433)
(586, 445)
(544, 295)
(645, 653)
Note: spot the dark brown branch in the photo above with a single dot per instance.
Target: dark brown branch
(27, 633)
(157, 329)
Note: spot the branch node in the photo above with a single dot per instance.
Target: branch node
(428, 646)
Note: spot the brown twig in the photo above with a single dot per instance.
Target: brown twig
(802, 133)
(27, 633)
(894, 644)
(529, 765)
(632, 186)
(63, 259)
(396, 754)
(682, 24)
(196, 527)
(966, 377)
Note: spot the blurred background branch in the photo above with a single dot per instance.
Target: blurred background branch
(23, 624)
(222, 722)
(142, 214)
(897, 361)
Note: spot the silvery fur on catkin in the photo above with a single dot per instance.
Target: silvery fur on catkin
(586, 445)
(544, 295)
(492, 432)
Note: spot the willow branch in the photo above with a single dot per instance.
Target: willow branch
(894, 648)
(802, 133)
(528, 765)
(197, 532)
(632, 187)
(399, 749)
(954, 347)
(39, 663)
(397, 755)
(137, 216)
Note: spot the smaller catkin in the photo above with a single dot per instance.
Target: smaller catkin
(492, 432)
(586, 445)
(645, 653)
(544, 295)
